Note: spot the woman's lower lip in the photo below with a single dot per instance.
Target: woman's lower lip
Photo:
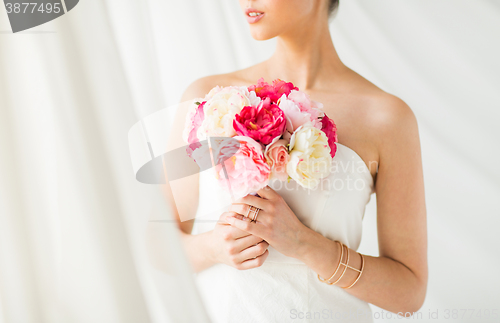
(252, 20)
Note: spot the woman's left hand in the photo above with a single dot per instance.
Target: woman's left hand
(276, 223)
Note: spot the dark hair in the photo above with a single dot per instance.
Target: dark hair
(333, 4)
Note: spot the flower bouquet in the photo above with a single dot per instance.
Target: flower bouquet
(265, 131)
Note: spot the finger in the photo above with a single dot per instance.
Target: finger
(244, 224)
(245, 242)
(247, 252)
(223, 219)
(253, 263)
(236, 233)
(242, 209)
(268, 193)
(254, 251)
(260, 217)
(253, 200)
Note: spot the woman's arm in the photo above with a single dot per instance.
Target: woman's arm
(196, 246)
(223, 244)
(397, 279)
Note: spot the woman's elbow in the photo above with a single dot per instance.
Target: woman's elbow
(416, 297)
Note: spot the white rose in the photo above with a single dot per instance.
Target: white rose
(220, 109)
(310, 158)
(212, 92)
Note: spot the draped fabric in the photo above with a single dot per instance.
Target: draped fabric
(73, 218)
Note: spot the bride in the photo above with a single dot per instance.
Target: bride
(299, 259)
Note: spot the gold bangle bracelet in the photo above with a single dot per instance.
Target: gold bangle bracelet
(343, 272)
(338, 266)
(360, 272)
(347, 265)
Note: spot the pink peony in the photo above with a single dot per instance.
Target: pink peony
(299, 115)
(330, 129)
(194, 119)
(274, 91)
(277, 157)
(244, 163)
(193, 122)
(262, 123)
(191, 148)
(305, 104)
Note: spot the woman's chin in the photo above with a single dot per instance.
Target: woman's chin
(261, 34)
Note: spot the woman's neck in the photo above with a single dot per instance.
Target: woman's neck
(306, 57)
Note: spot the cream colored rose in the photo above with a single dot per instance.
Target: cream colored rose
(220, 109)
(276, 155)
(310, 158)
(212, 92)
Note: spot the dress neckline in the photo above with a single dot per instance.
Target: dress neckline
(367, 170)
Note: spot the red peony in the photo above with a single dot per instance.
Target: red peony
(330, 129)
(262, 123)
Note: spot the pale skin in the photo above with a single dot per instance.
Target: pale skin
(380, 127)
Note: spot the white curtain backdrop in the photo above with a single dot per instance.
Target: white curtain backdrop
(73, 217)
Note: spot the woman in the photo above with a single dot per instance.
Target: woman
(275, 269)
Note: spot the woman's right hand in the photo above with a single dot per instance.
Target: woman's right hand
(235, 247)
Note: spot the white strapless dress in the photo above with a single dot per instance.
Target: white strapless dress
(284, 289)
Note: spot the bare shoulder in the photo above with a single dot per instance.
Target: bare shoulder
(384, 115)
(200, 87)
(370, 121)
(196, 90)
(391, 125)
(390, 115)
